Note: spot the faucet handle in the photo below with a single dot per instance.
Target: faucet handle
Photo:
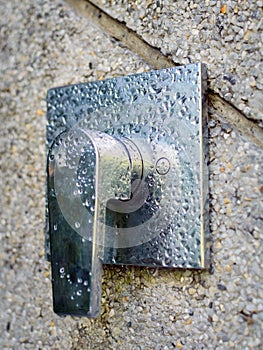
(86, 169)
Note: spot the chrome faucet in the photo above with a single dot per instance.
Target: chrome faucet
(126, 180)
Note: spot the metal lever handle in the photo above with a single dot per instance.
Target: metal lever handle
(86, 169)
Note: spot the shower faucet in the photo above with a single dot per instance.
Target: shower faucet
(127, 180)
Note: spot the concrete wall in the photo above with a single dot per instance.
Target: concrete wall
(47, 43)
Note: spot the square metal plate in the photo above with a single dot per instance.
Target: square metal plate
(171, 103)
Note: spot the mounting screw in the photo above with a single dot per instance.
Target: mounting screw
(162, 166)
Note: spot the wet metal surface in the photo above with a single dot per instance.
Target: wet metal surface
(162, 110)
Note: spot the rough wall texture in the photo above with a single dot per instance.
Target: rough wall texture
(226, 35)
(45, 44)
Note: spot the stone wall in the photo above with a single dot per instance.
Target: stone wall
(46, 44)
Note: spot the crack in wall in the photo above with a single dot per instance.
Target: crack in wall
(220, 108)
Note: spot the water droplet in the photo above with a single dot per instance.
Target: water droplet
(80, 280)
(79, 292)
(77, 224)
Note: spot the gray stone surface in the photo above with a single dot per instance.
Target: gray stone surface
(44, 44)
(227, 35)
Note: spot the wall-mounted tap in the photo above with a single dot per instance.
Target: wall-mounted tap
(126, 179)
